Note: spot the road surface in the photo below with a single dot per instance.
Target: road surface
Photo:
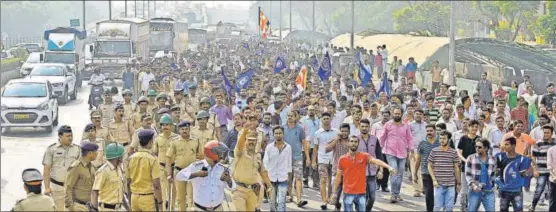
(24, 148)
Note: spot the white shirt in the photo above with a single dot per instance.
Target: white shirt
(495, 137)
(451, 125)
(322, 138)
(278, 163)
(97, 79)
(207, 191)
(537, 133)
(145, 79)
(445, 76)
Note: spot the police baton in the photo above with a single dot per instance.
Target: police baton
(169, 205)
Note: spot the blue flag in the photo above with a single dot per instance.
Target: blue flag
(315, 63)
(279, 65)
(246, 45)
(226, 85)
(384, 87)
(325, 68)
(365, 75)
(244, 79)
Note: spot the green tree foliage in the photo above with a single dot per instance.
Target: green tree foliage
(506, 18)
(426, 18)
(545, 25)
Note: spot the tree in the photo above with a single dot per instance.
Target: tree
(426, 18)
(545, 25)
(506, 18)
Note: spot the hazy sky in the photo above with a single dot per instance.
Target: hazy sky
(242, 4)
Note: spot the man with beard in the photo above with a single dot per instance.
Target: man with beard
(523, 141)
(446, 118)
(377, 129)
(480, 173)
(339, 146)
(265, 135)
(322, 137)
(311, 124)
(421, 159)
(418, 132)
(248, 172)
(181, 153)
(161, 144)
(443, 167)
(539, 153)
(369, 144)
(350, 168)
(397, 142)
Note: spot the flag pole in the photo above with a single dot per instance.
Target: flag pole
(259, 24)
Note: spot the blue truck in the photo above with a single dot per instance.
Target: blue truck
(66, 45)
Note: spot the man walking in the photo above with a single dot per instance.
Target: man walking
(443, 167)
(512, 169)
(278, 162)
(539, 151)
(421, 158)
(479, 173)
(322, 137)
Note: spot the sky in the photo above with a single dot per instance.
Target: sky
(241, 4)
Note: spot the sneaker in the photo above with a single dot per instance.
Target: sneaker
(323, 207)
(385, 190)
(338, 206)
(417, 194)
(399, 198)
(301, 203)
(393, 199)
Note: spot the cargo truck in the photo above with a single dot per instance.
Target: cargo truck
(119, 42)
(167, 36)
(66, 45)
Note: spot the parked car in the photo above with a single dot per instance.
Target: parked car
(29, 103)
(62, 79)
(32, 60)
(5, 55)
(31, 47)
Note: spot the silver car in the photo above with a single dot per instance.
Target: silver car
(32, 61)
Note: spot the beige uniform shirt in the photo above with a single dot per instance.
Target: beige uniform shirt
(35, 202)
(109, 184)
(107, 111)
(79, 182)
(184, 151)
(135, 119)
(60, 157)
(246, 167)
(128, 110)
(101, 158)
(121, 132)
(161, 144)
(142, 169)
(135, 139)
(204, 136)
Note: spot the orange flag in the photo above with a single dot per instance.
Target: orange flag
(301, 79)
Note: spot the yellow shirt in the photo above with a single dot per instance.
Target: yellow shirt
(60, 157)
(161, 145)
(110, 185)
(142, 170)
(204, 136)
(79, 182)
(246, 166)
(185, 151)
(121, 132)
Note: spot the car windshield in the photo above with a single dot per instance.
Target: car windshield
(25, 90)
(33, 58)
(47, 71)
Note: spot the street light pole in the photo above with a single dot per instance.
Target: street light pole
(313, 36)
(280, 21)
(452, 46)
(290, 16)
(352, 42)
(135, 7)
(84, 16)
(109, 9)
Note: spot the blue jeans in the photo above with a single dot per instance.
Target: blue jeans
(396, 180)
(278, 196)
(444, 198)
(515, 198)
(350, 199)
(476, 198)
(542, 180)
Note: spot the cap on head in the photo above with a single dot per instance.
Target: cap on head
(162, 96)
(146, 116)
(163, 110)
(184, 124)
(114, 150)
(127, 92)
(89, 126)
(165, 119)
(143, 99)
(203, 114)
(88, 146)
(146, 133)
(107, 92)
(95, 114)
(151, 93)
(204, 100)
(64, 129)
(31, 177)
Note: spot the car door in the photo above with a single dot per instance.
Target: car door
(70, 79)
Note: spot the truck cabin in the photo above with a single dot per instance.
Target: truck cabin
(162, 34)
(62, 46)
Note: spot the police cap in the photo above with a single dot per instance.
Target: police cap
(95, 114)
(184, 124)
(146, 116)
(163, 110)
(31, 176)
(89, 126)
(64, 129)
(88, 146)
(145, 134)
(175, 108)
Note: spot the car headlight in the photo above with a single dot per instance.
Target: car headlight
(3, 107)
(60, 84)
(43, 106)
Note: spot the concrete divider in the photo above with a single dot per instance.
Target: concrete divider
(8, 75)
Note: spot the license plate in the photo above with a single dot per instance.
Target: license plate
(21, 116)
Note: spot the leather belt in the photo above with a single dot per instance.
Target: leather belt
(164, 164)
(178, 168)
(206, 208)
(80, 201)
(125, 144)
(245, 185)
(56, 182)
(143, 194)
(109, 206)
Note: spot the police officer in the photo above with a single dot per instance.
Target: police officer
(90, 135)
(248, 172)
(101, 130)
(180, 155)
(213, 118)
(35, 200)
(208, 178)
(121, 131)
(203, 130)
(193, 98)
(57, 159)
(80, 178)
(142, 104)
(146, 124)
(160, 147)
(143, 174)
(106, 108)
(107, 194)
(129, 106)
(151, 94)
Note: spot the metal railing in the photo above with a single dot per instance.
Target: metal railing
(10, 42)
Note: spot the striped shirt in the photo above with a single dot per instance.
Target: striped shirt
(540, 150)
(433, 114)
(473, 169)
(424, 149)
(443, 165)
(440, 99)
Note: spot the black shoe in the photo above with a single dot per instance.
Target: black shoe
(385, 190)
(301, 203)
(338, 206)
(305, 184)
(323, 207)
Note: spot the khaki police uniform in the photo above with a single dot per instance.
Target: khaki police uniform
(129, 109)
(151, 106)
(110, 186)
(35, 202)
(107, 111)
(141, 172)
(101, 133)
(246, 174)
(204, 136)
(99, 161)
(193, 102)
(135, 119)
(59, 157)
(78, 185)
(182, 153)
(160, 147)
(135, 139)
(122, 133)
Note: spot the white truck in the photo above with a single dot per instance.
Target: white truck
(66, 45)
(118, 43)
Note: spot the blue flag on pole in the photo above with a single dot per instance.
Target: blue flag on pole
(279, 65)
(365, 75)
(226, 85)
(325, 68)
(244, 79)
(384, 87)
(316, 63)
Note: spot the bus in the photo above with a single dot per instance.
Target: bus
(197, 37)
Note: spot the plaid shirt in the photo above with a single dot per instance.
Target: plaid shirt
(473, 169)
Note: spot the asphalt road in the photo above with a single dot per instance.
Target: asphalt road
(24, 148)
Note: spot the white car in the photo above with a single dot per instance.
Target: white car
(29, 103)
(62, 79)
(32, 61)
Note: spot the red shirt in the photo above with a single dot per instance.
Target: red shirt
(500, 93)
(521, 114)
(354, 171)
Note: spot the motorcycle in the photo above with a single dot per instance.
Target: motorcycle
(95, 96)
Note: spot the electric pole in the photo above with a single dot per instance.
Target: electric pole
(290, 16)
(109, 9)
(352, 42)
(84, 16)
(452, 46)
(280, 21)
(314, 30)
